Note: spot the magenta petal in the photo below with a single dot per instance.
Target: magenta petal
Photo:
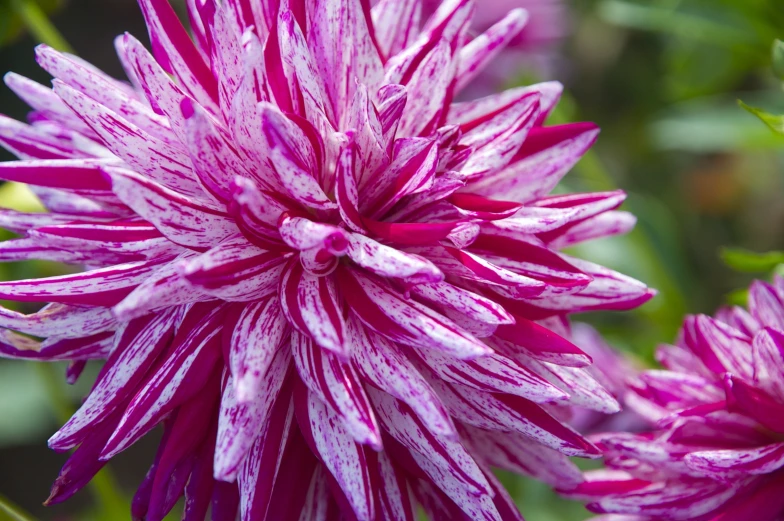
(542, 344)
(745, 398)
(175, 51)
(397, 24)
(476, 55)
(260, 332)
(241, 422)
(337, 384)
(185, 221)
(384, 311)
(344, 458)
(311, 306)
(138, 347)
(192, 360)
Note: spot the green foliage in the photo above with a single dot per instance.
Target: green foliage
(778, 59)
(709, 45)
(11, 512)
(774, 122)
(714, 125)
(751, 262)
(739, 297)
(17, 15)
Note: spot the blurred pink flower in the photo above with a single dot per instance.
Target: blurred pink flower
(330, 283)
(717, 453)
(613, 371)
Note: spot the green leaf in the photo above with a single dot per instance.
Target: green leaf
(775, 123)
(37, 22)
(668, 20)
(715, 125)
(751, 262)
(778, 59)
(739, 297)
(11, 512)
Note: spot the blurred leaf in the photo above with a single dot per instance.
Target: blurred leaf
(775, 123)
(752, 262)
(24, 405)
(739, 297)
(9, 23)
(19, 197)
(33, 15)
(11, 512)
(778, 59)
(663, 19)
(714, 125)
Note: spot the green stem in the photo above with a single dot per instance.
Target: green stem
(103, 486)
(11, 512)
(38, 24)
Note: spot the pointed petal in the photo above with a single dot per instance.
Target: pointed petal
(184, 221)
(493, 373)
(310, 304)
(343, 49)
(463, 301)
(427, 91)
(344, 458)
(193, 359)
(138, 346)
(505, 412)
(735, 462)
(385, 366)
(176, 52)
(338, 385)
(449, 456)
(477, 55)
(385, 311)
(260, 469)
(546, 156)
(235, 270)
(397, 24)
(57, 320)
(100, 287)
(260, 332)
(241, 423)
(162, 162)
(390, 262)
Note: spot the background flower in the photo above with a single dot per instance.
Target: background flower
(717, 451)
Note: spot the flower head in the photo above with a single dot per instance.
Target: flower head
(332, 286)
(717, 453)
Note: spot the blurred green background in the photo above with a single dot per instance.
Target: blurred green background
(661, 77)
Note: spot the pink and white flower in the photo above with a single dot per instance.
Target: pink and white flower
(330, 284)
(717, 453)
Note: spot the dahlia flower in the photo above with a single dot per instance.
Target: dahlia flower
(330, 284)
(717, 452)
